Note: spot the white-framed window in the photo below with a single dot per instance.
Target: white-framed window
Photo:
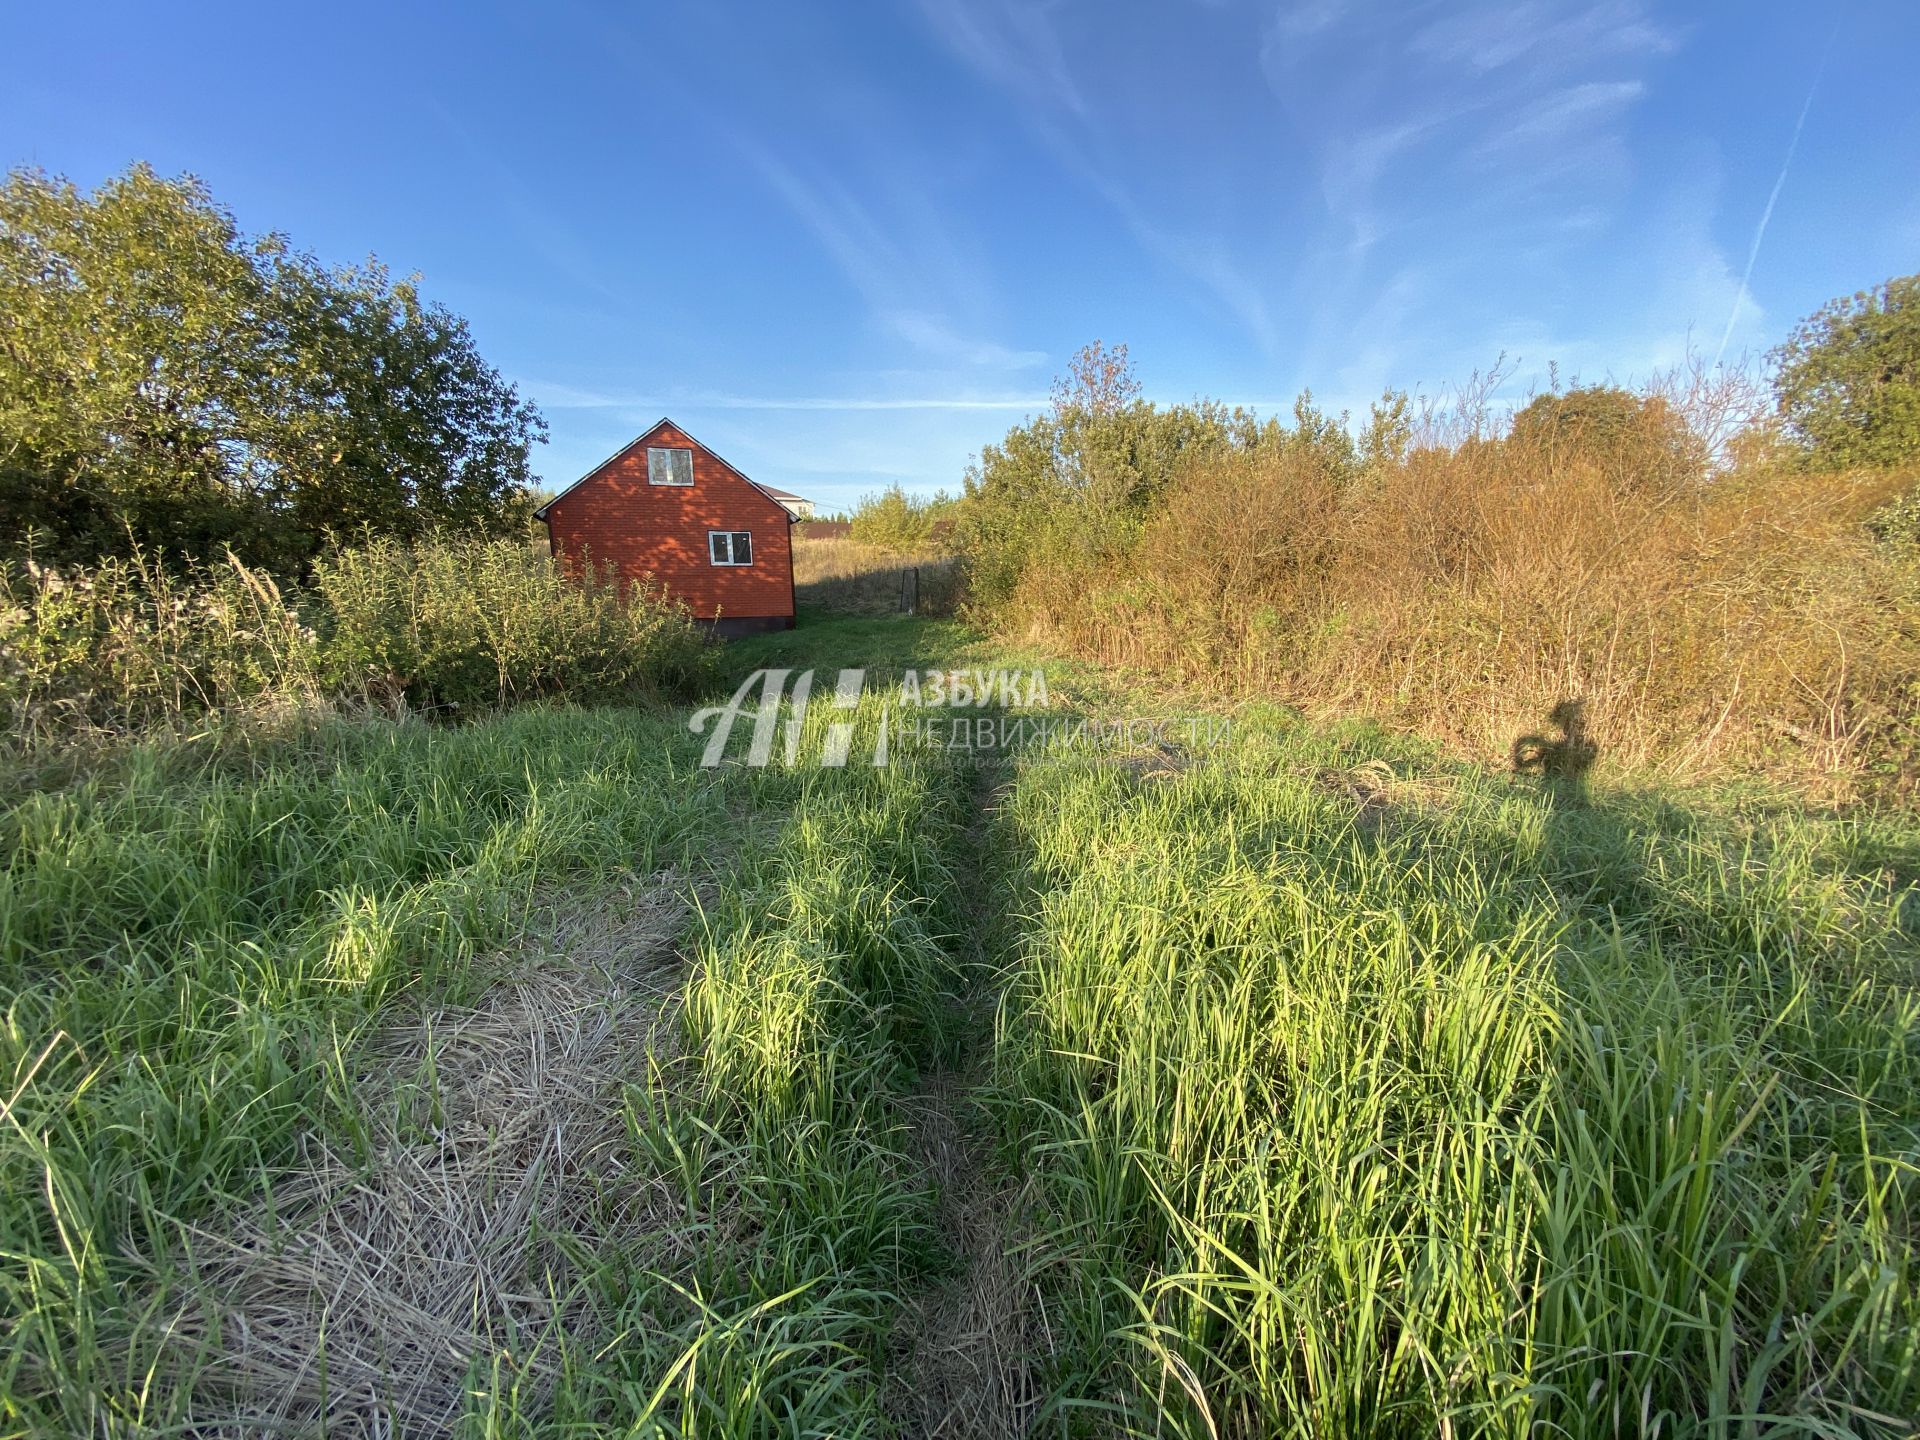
(730, 547)
(669, 465)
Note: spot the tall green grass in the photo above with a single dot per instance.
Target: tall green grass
(1471, 1109)
(190, 948)
(822, 983)
(197, 939)
(1364, 1096)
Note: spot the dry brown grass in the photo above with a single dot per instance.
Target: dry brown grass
(846, 577)
(357, 1299)
(1750, 620)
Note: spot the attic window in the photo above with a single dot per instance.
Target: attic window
(730, 547)
(669, 465)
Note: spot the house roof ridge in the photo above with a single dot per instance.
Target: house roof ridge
(541, 512)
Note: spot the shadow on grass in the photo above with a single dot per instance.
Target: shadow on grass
(887, 644)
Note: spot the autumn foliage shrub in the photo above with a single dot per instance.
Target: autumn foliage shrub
(1463, 583)
(1754, 619)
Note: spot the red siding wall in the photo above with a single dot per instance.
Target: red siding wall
(614, 517)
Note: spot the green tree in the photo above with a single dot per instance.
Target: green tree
(1099, 378)
(1847, 380)
(1324, 437)
(1073, 487)
(168, 382)
(895, 520)
(1388, 435)
(1639, 442)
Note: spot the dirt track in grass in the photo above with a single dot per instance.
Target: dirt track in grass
(966, 1352)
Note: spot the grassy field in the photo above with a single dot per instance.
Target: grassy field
(196, 948)
(845, 577)
(524, 1078)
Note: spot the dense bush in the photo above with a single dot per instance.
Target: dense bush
(1640, 442)
(895, 520)
(473, 624)
(1461, 576)
(130, 642)
(1897, 523)
(451, 626)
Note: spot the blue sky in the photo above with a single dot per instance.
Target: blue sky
(846, 244)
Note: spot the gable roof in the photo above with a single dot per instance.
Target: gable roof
(781, 494)
(767, 492)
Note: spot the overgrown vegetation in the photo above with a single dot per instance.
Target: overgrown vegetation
(1354, 1092)
(465, 625)
(450, 626)
(1700, 578)
(194, 945)
(850, 577)
(523, 1077)
(171, 386)
(197, 1057)
(822, 988)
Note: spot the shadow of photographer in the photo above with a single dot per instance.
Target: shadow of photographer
(1561, 761)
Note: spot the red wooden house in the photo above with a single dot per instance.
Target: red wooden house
(668, 508)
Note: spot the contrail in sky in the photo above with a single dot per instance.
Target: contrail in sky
(1760, 230)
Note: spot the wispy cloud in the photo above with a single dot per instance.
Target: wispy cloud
(1017, 45)
(1543, 37)
(1551, 119)
(903, 269)
(1205, 259)
(569, 397)
(1301, 18)
(1454, 144)
(1469, 122)
(1013, 42)
(1358, 160)
(1401, 109)
(935, 337)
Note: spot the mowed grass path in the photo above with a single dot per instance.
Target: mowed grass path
(194, 941)
(1360, 1093)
